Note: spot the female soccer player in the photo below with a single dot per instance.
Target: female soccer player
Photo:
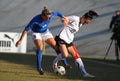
(39, 27)
(64, 40)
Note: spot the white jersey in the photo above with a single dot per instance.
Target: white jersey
(67, 33)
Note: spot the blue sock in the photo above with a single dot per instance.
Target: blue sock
(39, 59)
(63, 61)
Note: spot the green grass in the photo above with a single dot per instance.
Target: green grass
(22, 67)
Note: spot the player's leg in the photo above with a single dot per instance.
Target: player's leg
(73, 51)
(66, 65)
(39, 46)
(63, 55)
(51, 41)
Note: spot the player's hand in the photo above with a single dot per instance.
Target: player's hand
(65, 21)
(18, 43)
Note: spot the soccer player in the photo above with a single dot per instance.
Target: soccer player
(39, 26)
(64, 40)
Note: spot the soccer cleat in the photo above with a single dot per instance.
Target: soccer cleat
(88, 76)
(41, 72)
(67, 66)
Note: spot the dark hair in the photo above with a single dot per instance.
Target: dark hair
(90, 14)
(46, 11)
(117, 11)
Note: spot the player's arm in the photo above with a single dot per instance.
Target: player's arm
(21, 38)
(27, 28)
(65, 20)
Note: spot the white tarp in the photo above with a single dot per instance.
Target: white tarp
(8, 41)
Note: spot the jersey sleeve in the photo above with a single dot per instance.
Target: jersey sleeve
(53, 14)
(59, 14)
(28, 27)
(74, 20)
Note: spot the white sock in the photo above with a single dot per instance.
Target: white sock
(59, 57)
(80, 66)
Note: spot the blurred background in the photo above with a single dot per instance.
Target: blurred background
(92, 40)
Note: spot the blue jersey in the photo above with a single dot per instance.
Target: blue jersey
(39, 26)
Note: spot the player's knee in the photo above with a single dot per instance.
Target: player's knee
(54, 47)
(65, 55)
(76, 56)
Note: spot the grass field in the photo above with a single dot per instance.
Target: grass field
(22, 67)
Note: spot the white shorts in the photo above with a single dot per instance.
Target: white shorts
(42, 36)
